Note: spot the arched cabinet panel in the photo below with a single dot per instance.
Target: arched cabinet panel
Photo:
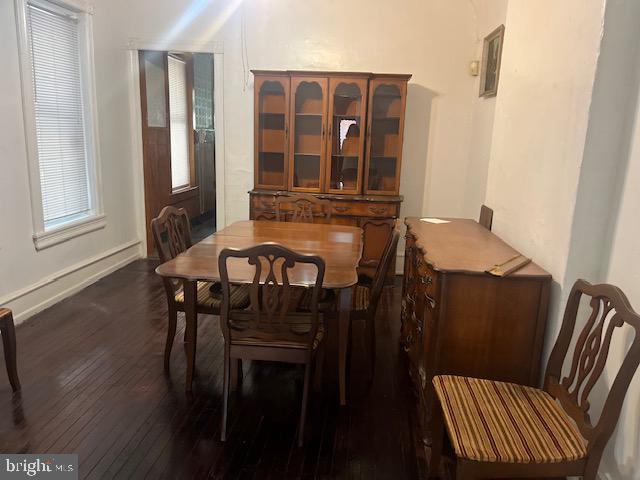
(345, 149)
(271, 129)
(384, 136)
(308, 140)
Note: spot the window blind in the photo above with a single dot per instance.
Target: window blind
(60, 126)
(180, 176)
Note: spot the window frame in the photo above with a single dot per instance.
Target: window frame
(95, 219)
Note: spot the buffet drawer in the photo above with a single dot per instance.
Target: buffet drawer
(364, 209)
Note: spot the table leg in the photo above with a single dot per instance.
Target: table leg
(190, 329)
(344, 328)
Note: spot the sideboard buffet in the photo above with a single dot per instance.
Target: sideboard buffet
(457, 319)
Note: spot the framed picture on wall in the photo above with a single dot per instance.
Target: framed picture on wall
(491, 55)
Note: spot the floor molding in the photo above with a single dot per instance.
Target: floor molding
(40, 295)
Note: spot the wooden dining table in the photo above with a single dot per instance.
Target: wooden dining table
(340, 246)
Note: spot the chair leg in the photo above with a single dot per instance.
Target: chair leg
(319, 364)
(371, 330)
(9, 343)
(305, 398)
(171, 333)
(225, 395)
(236, 373)
(437, 441)
(591, 469)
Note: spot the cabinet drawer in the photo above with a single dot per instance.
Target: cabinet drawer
(264, 202)
(262, 215)
(364, 209)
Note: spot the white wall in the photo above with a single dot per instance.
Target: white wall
(601, 247)
(540, 126)
(433, 40)
(562, 182)
(541, 122)
(621, 461)
(489, 15)
(30, 280)
(622, 252)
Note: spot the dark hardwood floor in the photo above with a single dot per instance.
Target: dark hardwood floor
(93, 384)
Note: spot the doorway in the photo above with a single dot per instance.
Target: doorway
(178, 137)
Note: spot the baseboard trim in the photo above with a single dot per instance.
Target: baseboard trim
(18, 296)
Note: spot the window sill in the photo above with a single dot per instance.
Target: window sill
(68, 231)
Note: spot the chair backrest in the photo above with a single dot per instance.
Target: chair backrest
(271, 313)
(174, 222)
(486, 217)
(383, 267)
(303, 206)
(609, 309)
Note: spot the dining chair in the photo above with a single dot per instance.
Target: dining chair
(375, 234)
(271, 328)
(8, 332)
(500, 429)
(304, 208)
(172, 236)
(486, 217)
(366, 297)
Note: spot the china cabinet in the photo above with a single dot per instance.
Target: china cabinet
(334, 135)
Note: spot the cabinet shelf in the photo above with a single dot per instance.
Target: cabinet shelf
(309, 115)
(301, 154)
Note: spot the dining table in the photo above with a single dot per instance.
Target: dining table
(340, 246)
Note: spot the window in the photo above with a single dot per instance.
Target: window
(179, 124)
(59, 119)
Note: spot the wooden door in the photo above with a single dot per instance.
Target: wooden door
(156, 139)
(385, 126)
(271, 131)
(345, 143)
(307, 145)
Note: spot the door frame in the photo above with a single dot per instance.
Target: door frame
(135, 114)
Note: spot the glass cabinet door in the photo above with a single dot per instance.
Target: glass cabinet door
(307, 145)
(346, 134)
(385, 126)
(271, 131)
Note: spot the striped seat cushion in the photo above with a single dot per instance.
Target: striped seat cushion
(325, 303)
(209, 301)
(360, 299)
(282, 342)
(492, 421)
